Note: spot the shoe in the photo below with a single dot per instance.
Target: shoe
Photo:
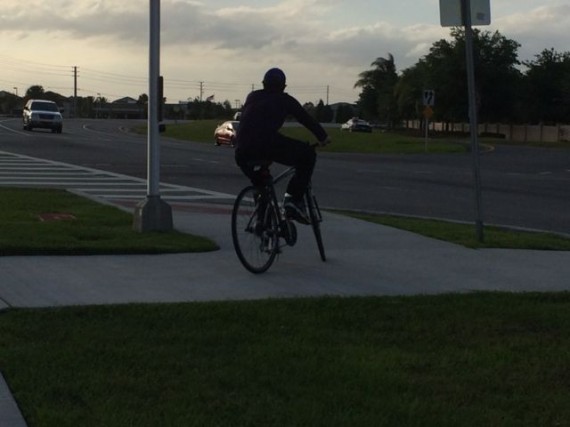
(295, 209)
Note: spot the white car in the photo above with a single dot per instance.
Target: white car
(41, 113)
(356, 125)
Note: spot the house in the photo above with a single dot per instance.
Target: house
(125, 100)
(122, 108)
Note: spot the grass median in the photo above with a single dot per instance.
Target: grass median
(448, 360)
(464, 234)
(343, 142)
(56, 222)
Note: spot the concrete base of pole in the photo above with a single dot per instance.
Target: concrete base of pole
(153, 214)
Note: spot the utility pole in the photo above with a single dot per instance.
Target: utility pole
(201, 91)
(74, 92)
(328, 90)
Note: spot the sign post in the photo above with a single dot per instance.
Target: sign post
(428, 101)
(468, 13)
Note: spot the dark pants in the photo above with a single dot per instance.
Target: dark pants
(286, 151)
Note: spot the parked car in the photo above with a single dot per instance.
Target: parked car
(226, 133)
(356, 125)
(41, 113)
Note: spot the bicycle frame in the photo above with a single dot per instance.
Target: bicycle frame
(267, 224)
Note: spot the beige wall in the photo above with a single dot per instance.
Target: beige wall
(559, 133)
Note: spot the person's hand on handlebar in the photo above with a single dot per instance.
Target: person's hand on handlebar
(325, 141)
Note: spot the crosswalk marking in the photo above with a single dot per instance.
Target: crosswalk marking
(25, 171)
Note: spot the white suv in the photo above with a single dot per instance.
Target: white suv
(41, 113)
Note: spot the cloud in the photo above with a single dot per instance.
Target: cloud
(296, 30)
(321, 41)
(542, 28)
(293, 28)
(83, 19)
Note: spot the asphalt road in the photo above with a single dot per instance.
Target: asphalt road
(522, 186)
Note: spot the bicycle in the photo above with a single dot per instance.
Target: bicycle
(260, 228)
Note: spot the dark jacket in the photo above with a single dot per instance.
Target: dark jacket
(264, 113)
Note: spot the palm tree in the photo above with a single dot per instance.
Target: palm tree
(377, 100)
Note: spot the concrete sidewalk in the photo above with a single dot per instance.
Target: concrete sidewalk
(363, 259)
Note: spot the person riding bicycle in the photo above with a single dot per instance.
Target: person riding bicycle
(258, 139)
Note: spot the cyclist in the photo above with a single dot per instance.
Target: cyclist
(258, 139)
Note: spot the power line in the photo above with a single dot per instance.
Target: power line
(108, 76)
(95, 76)
(31, 65)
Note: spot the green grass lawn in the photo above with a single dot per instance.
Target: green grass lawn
(397, 142)
(343, 142)
(464, 234)
(28, 226)
(481, 359)
(449, 360)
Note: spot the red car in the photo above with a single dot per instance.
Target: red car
(226, 133)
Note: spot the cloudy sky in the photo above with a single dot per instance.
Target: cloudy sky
(223, 47)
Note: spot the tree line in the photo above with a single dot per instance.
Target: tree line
(539, 93)
(92, 107)
(195, 109)
(507, 90)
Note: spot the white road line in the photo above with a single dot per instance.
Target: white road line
(15, 131)
(46, 182)
(21, 170)
(47, 173)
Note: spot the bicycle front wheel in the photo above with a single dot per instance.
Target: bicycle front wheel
(316, 219)
(254, 231)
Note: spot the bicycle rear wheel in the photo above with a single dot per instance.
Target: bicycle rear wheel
(316, 219)
(254, 231)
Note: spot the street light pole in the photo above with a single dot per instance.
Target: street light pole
(153, 214)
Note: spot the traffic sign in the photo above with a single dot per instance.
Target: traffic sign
(428, 112)
(450, 13)
(429, 97)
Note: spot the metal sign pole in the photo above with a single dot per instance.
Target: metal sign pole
(473, 124)
(428, 100)
(426, 121)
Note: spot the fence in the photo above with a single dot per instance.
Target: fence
(519, 133)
